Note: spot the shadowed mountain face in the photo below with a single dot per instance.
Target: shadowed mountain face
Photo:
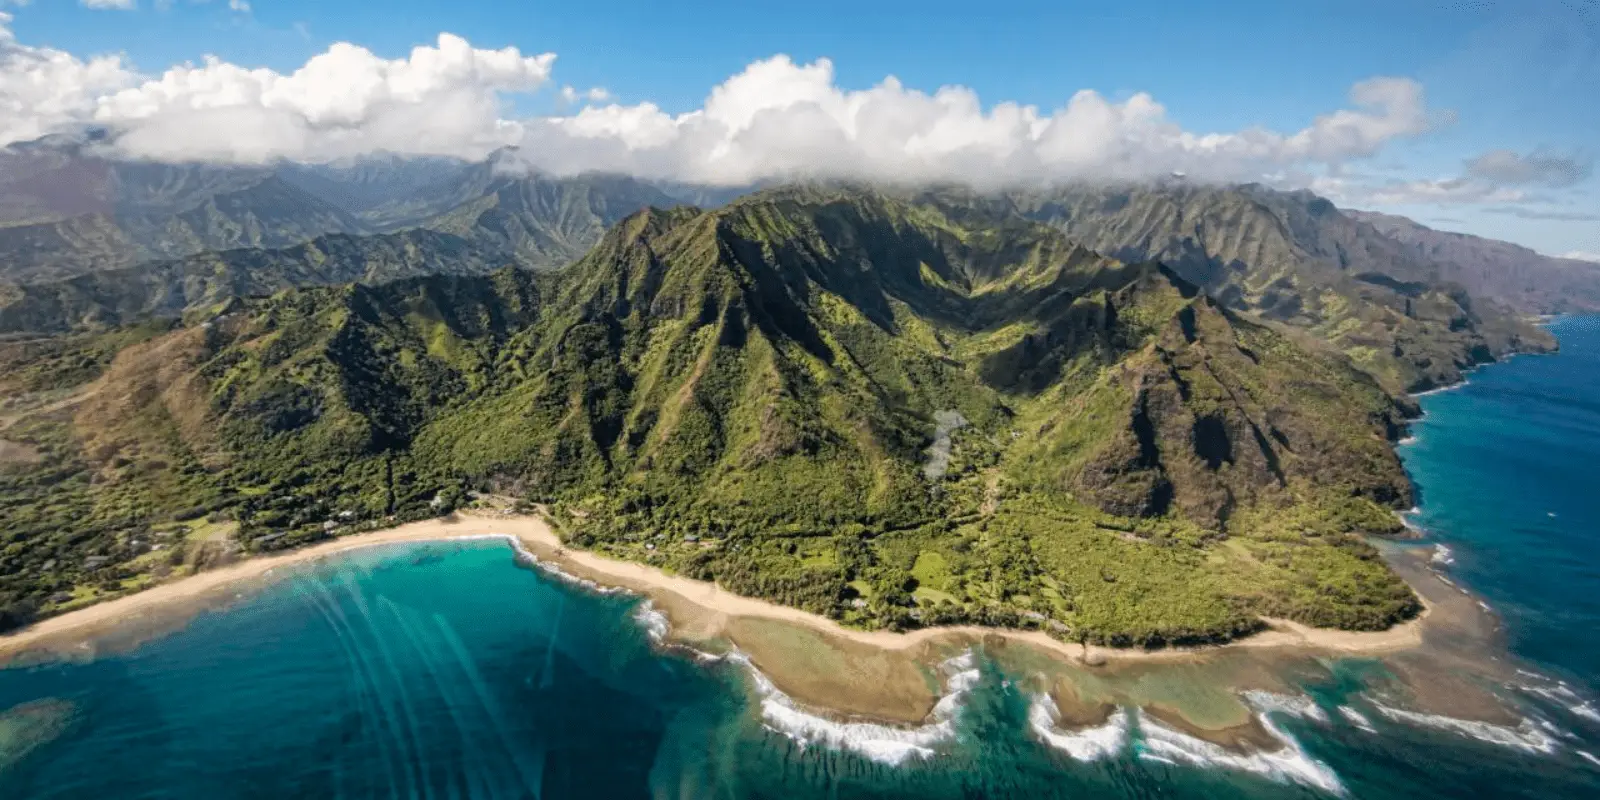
(750, 395)
(1521, 278)
(1293, 258)
(544, 221)
(108, 298)
(65, 213)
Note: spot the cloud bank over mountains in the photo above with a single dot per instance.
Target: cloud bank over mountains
(775, 118)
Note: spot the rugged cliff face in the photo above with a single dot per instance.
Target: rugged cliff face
(1294, 258)
(1515, 276)
(755, 395)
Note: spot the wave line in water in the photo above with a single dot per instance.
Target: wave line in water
(1087, 744)
(881, 743)
(1357, 719)
(1525, 737)
(1442, 556)
(1290, 763)
(1562, 695)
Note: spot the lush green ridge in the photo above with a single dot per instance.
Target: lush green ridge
(163, 212)
(198, 283)
(755, 395)
(1293, 257)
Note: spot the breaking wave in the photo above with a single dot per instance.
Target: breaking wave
(1526, 736)
(1089, 744)
(881, 743)
(1289, 763)
(1357, 719)
(1442, 556)
(1160, 744)
(1559, 693)
(652, 620)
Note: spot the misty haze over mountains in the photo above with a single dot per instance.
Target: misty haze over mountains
(87, 238)
(66, 209)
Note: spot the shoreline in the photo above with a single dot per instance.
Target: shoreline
(716, 606)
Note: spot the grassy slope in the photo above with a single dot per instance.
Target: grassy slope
(749, 395)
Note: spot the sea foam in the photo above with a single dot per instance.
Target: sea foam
(1526, 736)
(1290, 763)
(1088, 744)
(780, 714)
(1357, 719)
(1442, 556)
(882, 743)
(652, 620)
(1559, 693)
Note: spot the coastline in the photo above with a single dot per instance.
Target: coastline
(881, 683)
(716, 606)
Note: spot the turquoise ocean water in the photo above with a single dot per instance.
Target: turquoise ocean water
(458, 670)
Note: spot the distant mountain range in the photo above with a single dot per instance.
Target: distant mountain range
(66, 212)
(1511, 274)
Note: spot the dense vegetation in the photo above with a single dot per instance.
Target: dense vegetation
(891, 411)
(1402, 315)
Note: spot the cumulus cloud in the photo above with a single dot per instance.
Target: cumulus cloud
(1510, 168)
(1580, 255)
(346, 101)
(43, 89)
(775, 118)
(116, 5)
(779, 118)
(240, 6)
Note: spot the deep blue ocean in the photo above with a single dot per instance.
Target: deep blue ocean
(459, 670)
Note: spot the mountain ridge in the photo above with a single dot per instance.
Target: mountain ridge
(1528, 281)
(749, 395)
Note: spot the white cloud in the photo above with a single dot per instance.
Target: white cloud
(1508, 167)
(1438, 191)
(43, 89)
(239, 5)
(570, 95)
(779, 118)
(346, 101)
(116, 5)
(1579, 255)
(774, 118)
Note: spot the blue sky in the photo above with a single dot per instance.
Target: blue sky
(1522, 77)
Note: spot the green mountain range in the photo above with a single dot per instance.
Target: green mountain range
(108, 298)
(1293, 257)
(895, 410)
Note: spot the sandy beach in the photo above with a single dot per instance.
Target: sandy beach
(878, 676)
(713, 607)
